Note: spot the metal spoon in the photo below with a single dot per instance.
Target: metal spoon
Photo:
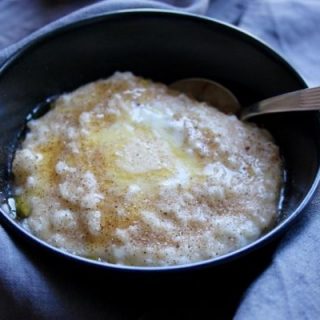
(210, 92)
(223, 99)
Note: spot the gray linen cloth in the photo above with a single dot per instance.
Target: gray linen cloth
(34, 287)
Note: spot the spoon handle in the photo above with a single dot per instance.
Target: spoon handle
(301, 100)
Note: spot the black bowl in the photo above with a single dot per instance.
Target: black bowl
(164, 46)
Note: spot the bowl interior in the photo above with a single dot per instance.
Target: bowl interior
(164, 47)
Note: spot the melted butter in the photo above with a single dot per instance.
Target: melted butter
(45, 164)
(141, 148)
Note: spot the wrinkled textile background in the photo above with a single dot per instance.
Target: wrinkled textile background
(284, 286)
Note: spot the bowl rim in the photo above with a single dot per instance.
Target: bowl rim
(247, 37)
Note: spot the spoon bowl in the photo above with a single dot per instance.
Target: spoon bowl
(209, 91)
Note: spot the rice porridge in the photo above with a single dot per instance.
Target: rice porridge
(126, 171)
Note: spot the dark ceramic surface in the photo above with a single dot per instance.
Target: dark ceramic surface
(165, 47)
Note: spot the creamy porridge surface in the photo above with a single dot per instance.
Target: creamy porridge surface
(126, 171)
